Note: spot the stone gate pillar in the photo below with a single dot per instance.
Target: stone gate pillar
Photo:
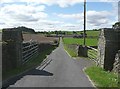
(11, 48)
(108, 47)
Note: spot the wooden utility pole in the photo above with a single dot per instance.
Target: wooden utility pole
(84, 22)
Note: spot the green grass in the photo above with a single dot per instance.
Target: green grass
(101, 78)
(89, 32)
(70, 51)
(89, 42)
(0, 30)
(92, 33)
(30, 64)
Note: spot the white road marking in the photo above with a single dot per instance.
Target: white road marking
(89, 78)
(68, 53)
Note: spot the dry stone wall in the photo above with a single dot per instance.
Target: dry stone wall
(116, 67)
(101, 49)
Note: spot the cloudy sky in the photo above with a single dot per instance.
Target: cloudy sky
(49, 15)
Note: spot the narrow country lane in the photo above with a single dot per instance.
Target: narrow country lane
(62, 71)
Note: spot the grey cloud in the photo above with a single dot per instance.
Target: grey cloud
(98, 21)
(25, 18)
(1, 23)
(23, 13)
(97, 18)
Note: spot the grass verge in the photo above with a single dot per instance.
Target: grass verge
(32, 63)
(70, 51)
(80, 41)
(101, 78)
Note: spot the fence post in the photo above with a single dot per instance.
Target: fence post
(83, 51)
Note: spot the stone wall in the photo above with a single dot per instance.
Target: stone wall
(116, 66)
(108, 46)
(101, 49)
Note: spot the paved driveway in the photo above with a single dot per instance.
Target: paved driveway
(62, 71)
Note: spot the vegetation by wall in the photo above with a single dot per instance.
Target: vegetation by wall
(72, 49)
(25, 29)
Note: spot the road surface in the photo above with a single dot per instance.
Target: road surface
(62, 71)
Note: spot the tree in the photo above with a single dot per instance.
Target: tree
(25, 29)
(56, 32)
(74, 32)
(116, 25)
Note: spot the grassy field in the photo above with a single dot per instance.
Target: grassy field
(89, 42)
(92, 33)
(89, 32)
(102, 78)
(79, 41)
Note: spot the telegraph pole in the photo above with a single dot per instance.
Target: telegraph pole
(84, 21)
(83, 49)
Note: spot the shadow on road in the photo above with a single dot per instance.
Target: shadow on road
(39, 72)
(34, 72)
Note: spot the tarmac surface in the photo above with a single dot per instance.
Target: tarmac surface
(61, 71)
